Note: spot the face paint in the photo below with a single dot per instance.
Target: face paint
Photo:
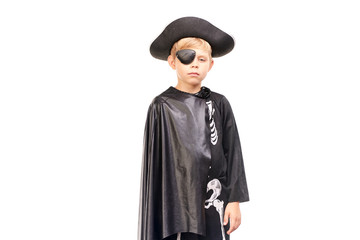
(186, 56)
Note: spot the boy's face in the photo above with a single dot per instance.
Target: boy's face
(193, 73)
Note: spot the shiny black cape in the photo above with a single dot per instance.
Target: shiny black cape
(180, 157)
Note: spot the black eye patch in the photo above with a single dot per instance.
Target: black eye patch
(186, 56)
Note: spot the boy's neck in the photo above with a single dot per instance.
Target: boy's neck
(188, 88)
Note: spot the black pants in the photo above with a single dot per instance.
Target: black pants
(186, 236)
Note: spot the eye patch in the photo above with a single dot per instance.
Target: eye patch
(186, 56)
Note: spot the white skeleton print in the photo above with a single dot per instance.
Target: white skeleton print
(214, 136)
(215, 186)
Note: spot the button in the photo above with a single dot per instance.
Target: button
(210, 167)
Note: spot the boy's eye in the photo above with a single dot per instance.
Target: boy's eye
(202, 59)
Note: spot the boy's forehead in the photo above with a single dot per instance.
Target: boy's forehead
(191, 37)
(184, 39)
(194, 46)
(197, 48)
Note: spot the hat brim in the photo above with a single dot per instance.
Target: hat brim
(221, 43)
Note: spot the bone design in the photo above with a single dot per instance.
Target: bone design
(215, 186)
(211, 111)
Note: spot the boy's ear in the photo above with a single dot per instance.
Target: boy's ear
(211, 64)
(171, 62)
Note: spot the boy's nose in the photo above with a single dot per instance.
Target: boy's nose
(195, 63)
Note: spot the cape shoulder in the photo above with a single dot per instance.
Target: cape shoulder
(160, 99)
(155, 105)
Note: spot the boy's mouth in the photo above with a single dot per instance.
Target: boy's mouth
(194, 74)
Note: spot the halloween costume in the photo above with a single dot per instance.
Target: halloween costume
(192, 167)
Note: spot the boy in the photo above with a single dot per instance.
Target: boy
(193, 176)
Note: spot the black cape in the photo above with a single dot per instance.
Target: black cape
(189, 140)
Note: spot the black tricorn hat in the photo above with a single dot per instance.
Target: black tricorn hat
(221, 43)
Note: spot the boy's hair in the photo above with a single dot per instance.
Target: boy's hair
(190, 42)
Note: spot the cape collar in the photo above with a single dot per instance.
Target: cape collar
(203, 93)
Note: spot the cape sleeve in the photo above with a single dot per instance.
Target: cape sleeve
(235, 174)
(148, 219)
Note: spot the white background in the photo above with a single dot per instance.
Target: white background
(77, 79)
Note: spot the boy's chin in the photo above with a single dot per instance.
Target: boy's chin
(194, 81)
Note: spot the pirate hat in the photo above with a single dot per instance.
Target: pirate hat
(221, 43)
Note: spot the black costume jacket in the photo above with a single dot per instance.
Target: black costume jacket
(192, 161)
